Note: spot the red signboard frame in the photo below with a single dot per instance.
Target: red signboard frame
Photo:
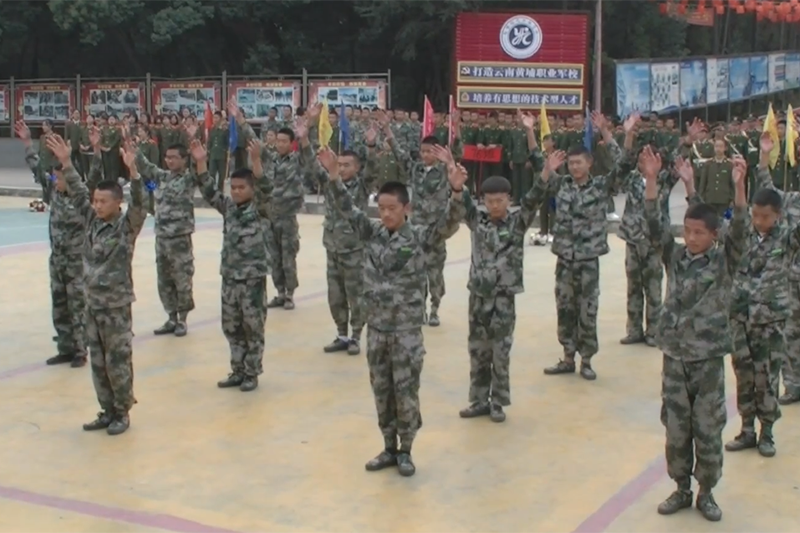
(359, 98)
(177, 96)
(54, 101)
(113, 98)
(564, 44)
(5, 112)
(265, 95)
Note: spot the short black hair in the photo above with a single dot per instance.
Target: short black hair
(111, 186)
(431, 140)
(179, 147)
(495, 185)
(705, 213)
(288, 132)
(217, 113)
(351, 153)
(244, 174)
(396, 189)
(768, 198)
(300, 111)
(579, 150)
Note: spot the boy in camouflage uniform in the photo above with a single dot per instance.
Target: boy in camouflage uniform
(245, 262)
(67, 236)
(394, 297)
(495, 278)
(108, 253)
(759, 311)
(694, 334)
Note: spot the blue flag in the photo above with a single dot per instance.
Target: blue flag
(587, 130)
(233, 135)
(344, 129)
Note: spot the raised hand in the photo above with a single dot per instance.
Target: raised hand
(651, 163)
(197, 150)
(300, 128)
(328, 160)
(94, 136)
(191, 130)
(371, 135)
(527, 119)
(233, 108)
(553, 163)
(254, 148)
(599, 120)
(444, 155)
(315, 110)
(631, 122)
(685, 170)
(22, 131)
(128, 153)
(739, 170)
(766, 143)
(382, 117)
(60, 149)
(457, 176)
(695, 127)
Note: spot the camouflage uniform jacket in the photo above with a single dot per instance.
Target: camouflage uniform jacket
(694, 321)
(395, 279)
(760, 290)
(791, 210)
(633, 228)
(580, 230)
(285, 175)
(67, 225)
(244, 254)
(498, 247)
(174, 197)
(404, 134)
(109, 245)
(339, 234)
(429, 187)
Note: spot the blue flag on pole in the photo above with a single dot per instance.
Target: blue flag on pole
(233, 135)
(587, 130)
(344, 129)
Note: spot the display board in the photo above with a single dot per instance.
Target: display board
(364, 94)
(258, 97)
(36, 103)
(174, 97)
(5, 104)
(113, 98)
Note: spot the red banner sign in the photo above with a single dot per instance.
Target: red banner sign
(258, 97)
(173, 97)
(5, 103)
(112, 98)
(521, 53)
(360, 94)
(36, 103)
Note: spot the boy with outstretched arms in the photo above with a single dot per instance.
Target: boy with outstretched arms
(694, 334)
(395, 253)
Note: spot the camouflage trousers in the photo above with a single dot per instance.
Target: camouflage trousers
(577, 295)
(491, 334)
(694, 415)
(758, 351)
(645, 274)
(109, 336)
(345, 287)
(434, 265)
(244, 313)
(175, 269)
(395, 364)
(790, 366)
(283, 251)
(69, 304)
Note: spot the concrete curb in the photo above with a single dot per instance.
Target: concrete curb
(310, 207)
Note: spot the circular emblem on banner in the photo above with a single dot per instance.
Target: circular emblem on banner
(521, 37)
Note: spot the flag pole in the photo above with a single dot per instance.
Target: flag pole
(598, 54)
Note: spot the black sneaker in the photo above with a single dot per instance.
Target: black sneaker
(745, 440)
(233, 380)
(405, 465)
(78, 361)
(708, 507)
(102, 421)
(180, 329)
(249, 383)
(166, 329)
(496, 413)
(385, 459)
(119, 425)
(632, 339)
(353, 347)
(475, 410)
(60, 359)
(278, 301)
(766, 443)
(562, 367)
(338, 345)
(789, 398)
(680, 499)
(587, 373)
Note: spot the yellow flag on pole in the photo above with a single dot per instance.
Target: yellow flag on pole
(544, 124)
(325, 129)
(791, 137)
(771, 127)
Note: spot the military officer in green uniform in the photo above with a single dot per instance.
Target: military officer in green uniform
(715, 184)
(217, 149)
(469, 136)
(491, 136)
(72, 135)
(517, 155)
(110, 142)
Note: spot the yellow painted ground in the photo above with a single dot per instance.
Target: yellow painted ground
(290, 456)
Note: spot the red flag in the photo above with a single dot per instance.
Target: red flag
(209, 118)
(451, 122)
(427, 119)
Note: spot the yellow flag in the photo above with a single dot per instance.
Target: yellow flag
(325, 129)
(544, 124)
(771, 127)
(791, 137)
